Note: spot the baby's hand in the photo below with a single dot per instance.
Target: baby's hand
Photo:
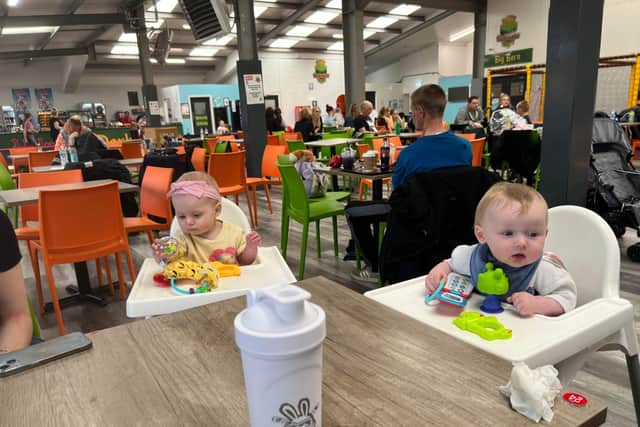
(253, 239)
(440, 271)
(525, 303)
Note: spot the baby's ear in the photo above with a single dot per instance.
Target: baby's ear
(477, 230)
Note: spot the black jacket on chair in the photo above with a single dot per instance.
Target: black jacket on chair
(431, 214)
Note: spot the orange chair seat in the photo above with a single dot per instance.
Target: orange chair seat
(369, 182)
(27, 233)
(232, 189)
(136, 224)
(257, 181)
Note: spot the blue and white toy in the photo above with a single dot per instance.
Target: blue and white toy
(456, 291)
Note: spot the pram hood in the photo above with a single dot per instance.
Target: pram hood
(606, 131)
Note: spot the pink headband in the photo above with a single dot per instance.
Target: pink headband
(197, 189)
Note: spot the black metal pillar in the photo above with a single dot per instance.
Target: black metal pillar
(249, 69)
(353, 53)
(479, 38)
(573, 47)
(149, 90)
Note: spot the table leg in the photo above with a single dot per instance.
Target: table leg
(80, 293)
(377, 189)
(334, 178)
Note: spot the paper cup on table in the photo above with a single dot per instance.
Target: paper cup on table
(280, 337)
(370, 160)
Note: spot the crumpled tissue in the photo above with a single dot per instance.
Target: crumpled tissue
(533, 391)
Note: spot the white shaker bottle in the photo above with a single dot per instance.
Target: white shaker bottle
(280, 337)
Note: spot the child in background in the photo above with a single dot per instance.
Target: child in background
(223, 128)
(196, 199)
(511, 226)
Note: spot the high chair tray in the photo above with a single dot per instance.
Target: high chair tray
(536, 340)
(147, 299)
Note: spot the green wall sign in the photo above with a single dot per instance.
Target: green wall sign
(508, 58)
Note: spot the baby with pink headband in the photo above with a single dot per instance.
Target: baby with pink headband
(196, 200)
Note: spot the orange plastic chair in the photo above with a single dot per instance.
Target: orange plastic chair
(21, 165)
(211, 144)
(269, 171)
(131, 149)
(467, 136)
(292, 136)
(477, 150)
(3, 161)
(29, 213)
(273, 140)
(114, 144)
(79, 225)
(153, 201)
(226, 138)
(41, 158)
(229, 170)
(377, 144)
(363, 148)
(198, 158)
(180, 150)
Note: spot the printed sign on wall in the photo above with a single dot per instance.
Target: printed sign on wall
(44, 96)
(21, 100)
(508, 31)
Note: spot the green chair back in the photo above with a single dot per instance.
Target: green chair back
(296, 145)
(34, 321)
(221, 147)
(7, 183)
(295, 195)
(329, 128)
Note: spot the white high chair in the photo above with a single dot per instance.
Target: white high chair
(230, 212)
(601, 321)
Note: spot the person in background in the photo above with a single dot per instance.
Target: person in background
(223, 128)
(329, 119)
(364, 123)
(305, 126)
(470, 115)
(55, 124)
(505, 102)
(87, 144)
(15, 320)
(278, 124)
(522, 108)
(339, 117)
(126, 119)
(354, 112)
(397, 117)
(29, 131)
(317, 120)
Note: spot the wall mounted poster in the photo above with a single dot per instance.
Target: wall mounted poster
(253, 89)
(44, 96)
(21, 100)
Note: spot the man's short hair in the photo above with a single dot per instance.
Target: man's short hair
(365, 104)
(431, 98)
(505, 192)
(523, 106)
(75, 120)
(472, 98)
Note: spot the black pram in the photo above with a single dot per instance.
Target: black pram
(616, 184)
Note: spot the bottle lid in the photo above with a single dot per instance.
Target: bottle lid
(279, 321)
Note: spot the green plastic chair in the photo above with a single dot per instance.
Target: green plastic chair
(34, 321)
(279, 134)
(296, 145)
(221, 147)
(7, 183)
(296, 205)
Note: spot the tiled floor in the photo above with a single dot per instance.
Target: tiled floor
(604, 377)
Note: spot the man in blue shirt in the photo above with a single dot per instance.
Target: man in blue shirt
(437, 148)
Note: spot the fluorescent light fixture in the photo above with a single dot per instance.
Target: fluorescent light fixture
(258, 10)
(164, 6)
(157, 24)
(321, 17)
(129, 57)
(125, 49)
(404, 9)
(337, 36)
(153, 60)
(176, 49)
(336, 46)
(12, 3)
(175, 61)
(186, 26)
(301, 31)
(382, 22)
(128, 38)
(203, 51)
(334, 4)
(199, 58)
(28, 30)
(283, 43)
(460, 34)
(219, 41)
(367, 33)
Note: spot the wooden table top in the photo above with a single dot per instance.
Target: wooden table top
(23, 196)
(51, 168)
(380, 368)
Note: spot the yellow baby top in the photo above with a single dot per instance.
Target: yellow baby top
(230, 241)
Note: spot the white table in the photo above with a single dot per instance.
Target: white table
(51, 168)
(147, 299)
(332, 142)
(23, 196)
(532, 337)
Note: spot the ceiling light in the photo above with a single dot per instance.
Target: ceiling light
(382, 22)
(186, 26)
(367, 33)
(460, 34)
(301, 31)
(284, 43)
(125, 49)
(203, 51)
(404, 9)
(336, 46)
(12, 3)
(337, 36)
(152, 23)
(153, 60)
(129, 57)
(28, 30)
(175, 61)
(199, 58)
(334, 4)
(258, 10)
(219, 41)
(321, 17)
(176, 49)
(128, 38)
(164, 6)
